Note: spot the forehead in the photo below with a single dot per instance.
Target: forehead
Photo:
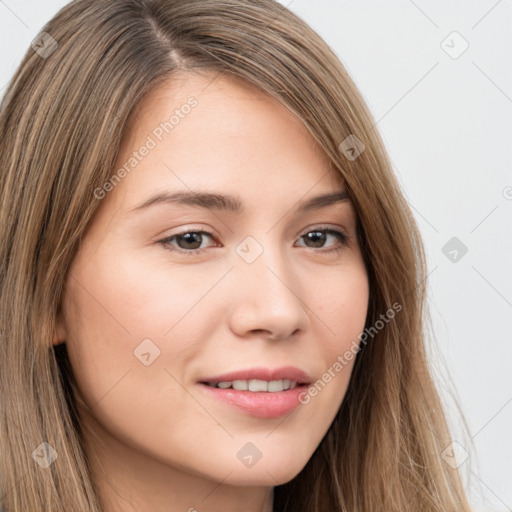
(201, 130)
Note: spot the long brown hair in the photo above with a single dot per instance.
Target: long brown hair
(61, 125)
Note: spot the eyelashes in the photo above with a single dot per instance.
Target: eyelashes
(317, 235)
(323, 233)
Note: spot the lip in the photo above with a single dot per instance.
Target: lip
(260, 404)
(262, 373)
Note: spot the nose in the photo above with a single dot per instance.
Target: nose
(267, 298)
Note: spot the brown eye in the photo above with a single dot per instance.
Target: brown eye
(189, 242)
(186, 242)
(318, 238)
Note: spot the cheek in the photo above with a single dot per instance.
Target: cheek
(126, 299)
(153, 297)
(339, 303)
(134, 325)
(127, 371)
(340, 300)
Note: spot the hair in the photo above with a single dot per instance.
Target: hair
(62, 121)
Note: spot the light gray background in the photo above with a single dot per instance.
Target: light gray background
(447, 124)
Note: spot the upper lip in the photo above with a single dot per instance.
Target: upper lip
(262, 373)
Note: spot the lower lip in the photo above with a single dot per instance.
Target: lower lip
(262, 404)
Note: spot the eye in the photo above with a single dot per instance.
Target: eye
(191, 242)
(188, 242)
(319, 236)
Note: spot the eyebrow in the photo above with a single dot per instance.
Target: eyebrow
(233, 204)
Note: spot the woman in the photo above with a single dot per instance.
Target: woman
(278, 363)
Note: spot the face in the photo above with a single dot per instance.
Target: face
(169, 294)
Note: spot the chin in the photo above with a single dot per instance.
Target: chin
(268, 473)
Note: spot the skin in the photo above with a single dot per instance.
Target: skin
(155, 440)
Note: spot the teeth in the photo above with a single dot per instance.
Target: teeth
(257, 385)
(275, 385)
(239, 385)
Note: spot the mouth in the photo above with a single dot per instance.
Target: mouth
(259, 397)
(260, 379)
(255, 385)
